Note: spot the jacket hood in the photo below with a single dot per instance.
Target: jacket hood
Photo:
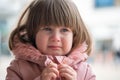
(30, 53)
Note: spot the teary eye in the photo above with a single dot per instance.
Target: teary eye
(47, 29)
(65, 30)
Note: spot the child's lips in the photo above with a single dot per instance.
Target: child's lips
(54, 47)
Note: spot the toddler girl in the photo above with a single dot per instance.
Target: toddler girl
(50, 42)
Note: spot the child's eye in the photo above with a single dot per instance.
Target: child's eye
(47, 29)
(65, 30)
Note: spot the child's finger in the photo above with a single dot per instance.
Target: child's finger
(67, 72)
(50, 72)
(52, 76)
(66, 76)
(54, 70)
(51, 64)
(65, 67)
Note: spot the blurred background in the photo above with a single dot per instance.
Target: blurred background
(102, 17)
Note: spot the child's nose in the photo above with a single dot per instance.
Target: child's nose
(56, 37)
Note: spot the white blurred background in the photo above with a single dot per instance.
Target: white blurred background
(102, 17)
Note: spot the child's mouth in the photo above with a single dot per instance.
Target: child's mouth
(54, 47)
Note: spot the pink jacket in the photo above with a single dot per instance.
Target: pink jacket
(29, 63)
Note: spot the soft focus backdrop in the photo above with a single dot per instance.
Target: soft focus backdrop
(102, 17)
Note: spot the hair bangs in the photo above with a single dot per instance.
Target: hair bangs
(55, 13)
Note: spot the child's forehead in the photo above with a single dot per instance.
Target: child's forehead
(54, 26)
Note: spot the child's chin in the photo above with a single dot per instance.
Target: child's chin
(56, 54)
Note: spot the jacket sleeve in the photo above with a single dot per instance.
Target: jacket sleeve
(38, 78)
(13, 72)
(84, 71)
(89, 73)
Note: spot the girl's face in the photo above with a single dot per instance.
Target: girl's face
(52, 40)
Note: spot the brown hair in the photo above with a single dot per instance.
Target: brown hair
(51, 12)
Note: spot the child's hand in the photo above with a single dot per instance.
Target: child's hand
(67, 72)
(50, 72)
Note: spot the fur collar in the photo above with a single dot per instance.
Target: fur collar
(30, 53)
